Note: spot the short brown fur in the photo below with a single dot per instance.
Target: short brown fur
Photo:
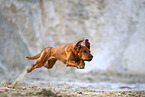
(73, 55)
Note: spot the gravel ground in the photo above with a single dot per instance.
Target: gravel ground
(73, 84)
(29, 90)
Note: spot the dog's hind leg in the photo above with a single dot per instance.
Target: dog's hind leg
(40, 62)
(50, 63)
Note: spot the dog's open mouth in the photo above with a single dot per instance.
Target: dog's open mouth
(88, 59)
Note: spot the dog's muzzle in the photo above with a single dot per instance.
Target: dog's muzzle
(91, 57)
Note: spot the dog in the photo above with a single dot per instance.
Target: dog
(73, 55)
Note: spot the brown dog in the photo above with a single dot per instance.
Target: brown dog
(73, 55)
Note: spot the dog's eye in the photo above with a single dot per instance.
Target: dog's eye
(85, 51)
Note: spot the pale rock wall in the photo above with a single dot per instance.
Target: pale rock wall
(116, 30)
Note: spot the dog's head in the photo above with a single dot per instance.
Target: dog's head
(83, 51)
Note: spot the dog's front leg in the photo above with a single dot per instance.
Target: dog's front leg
(72, 64)
(81, 64)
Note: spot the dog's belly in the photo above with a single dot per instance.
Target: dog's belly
(63, 60)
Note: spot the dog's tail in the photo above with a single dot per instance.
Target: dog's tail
(34, 57)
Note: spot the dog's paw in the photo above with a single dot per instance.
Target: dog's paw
(80, 67)
(28, 71)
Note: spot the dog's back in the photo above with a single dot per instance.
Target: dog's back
(60, 52)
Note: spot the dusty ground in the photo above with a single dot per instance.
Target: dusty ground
(35, 91)
(74, 84)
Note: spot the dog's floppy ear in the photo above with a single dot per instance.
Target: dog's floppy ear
(87, 44)
(78, 45)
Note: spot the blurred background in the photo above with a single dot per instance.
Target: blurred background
(115, 29)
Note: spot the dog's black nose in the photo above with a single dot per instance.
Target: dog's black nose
(91, 56)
